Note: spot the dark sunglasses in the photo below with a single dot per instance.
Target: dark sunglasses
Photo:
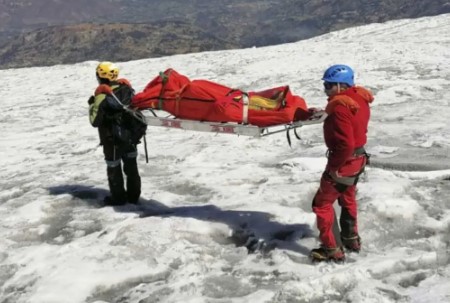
(328, 85)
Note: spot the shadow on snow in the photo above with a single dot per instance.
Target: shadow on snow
(254, 229)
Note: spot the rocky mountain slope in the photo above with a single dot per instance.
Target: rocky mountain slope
(43, 31)
(116, 42)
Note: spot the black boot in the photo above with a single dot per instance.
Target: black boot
(352, 244)
(349, 236)
(115, 182)
(326, 254)
(133, 180)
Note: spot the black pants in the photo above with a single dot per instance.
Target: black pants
(114, 157)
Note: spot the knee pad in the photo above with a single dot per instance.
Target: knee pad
(113, 163)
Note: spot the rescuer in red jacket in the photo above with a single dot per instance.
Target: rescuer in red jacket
(345, 134)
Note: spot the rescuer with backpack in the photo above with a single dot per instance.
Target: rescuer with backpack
(119, 133)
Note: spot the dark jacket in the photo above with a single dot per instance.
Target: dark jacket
(107, 113)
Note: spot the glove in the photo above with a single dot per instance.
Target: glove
(301, 115)
(315, 112)
(91, 100)
(124, 82)
(103, 89)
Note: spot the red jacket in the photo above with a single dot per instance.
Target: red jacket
(345, 128)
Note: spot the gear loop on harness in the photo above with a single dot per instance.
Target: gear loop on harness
(351, 180)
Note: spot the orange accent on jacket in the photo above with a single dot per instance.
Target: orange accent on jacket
(103, 89)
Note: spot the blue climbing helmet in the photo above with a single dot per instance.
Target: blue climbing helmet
(339, 73)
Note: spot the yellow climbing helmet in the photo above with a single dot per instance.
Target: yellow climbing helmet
(107, 70)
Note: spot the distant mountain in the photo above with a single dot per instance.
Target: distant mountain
(27, 26)
(116, 42)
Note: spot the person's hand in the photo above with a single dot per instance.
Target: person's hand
(315, 112)
(301, 114)
(311, 113)
(91, 100)
(103, 89)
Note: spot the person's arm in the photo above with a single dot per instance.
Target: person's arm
(343, 138)
(96, 110)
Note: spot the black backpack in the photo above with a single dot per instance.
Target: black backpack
(129, 126)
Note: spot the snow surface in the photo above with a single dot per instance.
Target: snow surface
(57, 244)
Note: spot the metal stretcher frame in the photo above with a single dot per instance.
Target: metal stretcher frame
(228, 127)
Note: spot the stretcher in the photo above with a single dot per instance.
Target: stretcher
(203, 105)
(152, 119)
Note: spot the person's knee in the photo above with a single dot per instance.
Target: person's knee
(111, 164)
(130, 168)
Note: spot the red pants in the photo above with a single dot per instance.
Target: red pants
(330, 191)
